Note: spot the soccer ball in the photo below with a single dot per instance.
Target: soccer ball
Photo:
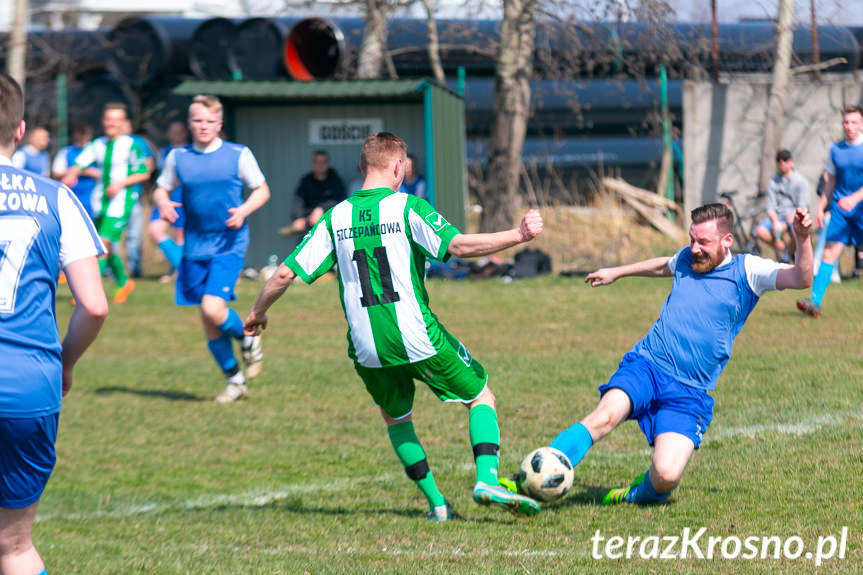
(545, 474)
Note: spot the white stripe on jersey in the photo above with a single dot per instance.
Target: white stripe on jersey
(359, 326)
(411, 323)
(316, 250)
(78, 237)
(424, 234)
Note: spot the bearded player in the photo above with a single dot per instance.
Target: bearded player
(665, 380)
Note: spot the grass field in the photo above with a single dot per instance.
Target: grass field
(153, 477)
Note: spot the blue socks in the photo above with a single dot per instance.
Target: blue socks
(644, 492)
(822, 280)
(233, 326)
(222, 349)
(173, 251)
(573, 442)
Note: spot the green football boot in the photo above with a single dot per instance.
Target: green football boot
(618, 495)
(485, 494)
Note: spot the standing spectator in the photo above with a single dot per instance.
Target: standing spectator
(843, 184)
(34, 156)
(414, 183)
(213, 173)
(786, 191)
(169, 235)
(65, 158)
(37, 369)
(120, 160)
(318, 191)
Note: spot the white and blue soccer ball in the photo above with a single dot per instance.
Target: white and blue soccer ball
(545, 474)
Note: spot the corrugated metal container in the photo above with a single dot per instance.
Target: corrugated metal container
(284, 123)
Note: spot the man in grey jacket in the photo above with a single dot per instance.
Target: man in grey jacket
(786, 191)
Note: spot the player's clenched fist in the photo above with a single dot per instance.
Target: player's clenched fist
(531, 225)
(802, 222)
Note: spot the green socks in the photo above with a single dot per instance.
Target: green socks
(410, 452)
(485, 440)
(115, 264)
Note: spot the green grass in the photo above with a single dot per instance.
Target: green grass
(153, 477)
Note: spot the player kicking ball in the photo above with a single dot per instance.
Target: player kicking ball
(379, 240)
(664, 381)
(213, 173)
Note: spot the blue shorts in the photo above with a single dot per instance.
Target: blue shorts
(180, 222)
(845, 227)
(216, 277)
(660, 403)
(27, 458)
(767, 223)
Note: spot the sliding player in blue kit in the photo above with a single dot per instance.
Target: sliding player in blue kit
(43, 227)
(665, 380)
(212, 173)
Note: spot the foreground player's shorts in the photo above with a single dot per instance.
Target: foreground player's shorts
(27, 458)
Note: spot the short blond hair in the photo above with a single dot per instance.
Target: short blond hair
(211, 103)
(379, 149)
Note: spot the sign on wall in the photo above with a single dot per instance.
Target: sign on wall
(335, 131)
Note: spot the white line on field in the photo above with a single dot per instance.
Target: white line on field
(260, 498)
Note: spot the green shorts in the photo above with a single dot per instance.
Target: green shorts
(452, 374)
(110, 228)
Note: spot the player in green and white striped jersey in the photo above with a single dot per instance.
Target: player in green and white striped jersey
(121, 159)
(379, 240)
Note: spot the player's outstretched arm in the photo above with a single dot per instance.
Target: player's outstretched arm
(258, 197)
(799, 276)
(91, 308)
(270, 293)
(474, 245)
(654, 267)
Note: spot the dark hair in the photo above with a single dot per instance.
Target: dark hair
(321, 153)
(783, 155)
(379, 148)
(11, 108)
(82, 128)
(852, 109)
(720, 212)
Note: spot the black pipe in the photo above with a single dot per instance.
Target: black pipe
(581, 49)
(210, 52)
(144, 49)
(258, 46)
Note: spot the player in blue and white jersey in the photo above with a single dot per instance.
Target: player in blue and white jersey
(843, 184)
(213, 174)
(65, 158)
(34, 156)
(42, 224)
(168, 236)
(665, 380)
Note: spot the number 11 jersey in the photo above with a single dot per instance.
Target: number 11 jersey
(379, 240)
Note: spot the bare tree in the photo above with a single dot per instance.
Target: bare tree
(15, 64)
(499, 191)
(373, 52)
(433, 43)
(778, 91)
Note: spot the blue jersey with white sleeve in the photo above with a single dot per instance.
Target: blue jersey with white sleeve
(846, 164)
(692, 339)
(212, 181)
(42, 223)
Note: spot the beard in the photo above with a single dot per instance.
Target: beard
(706, 262)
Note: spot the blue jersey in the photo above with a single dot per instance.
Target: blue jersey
(42, 224)
(691, 341)
(30, 159)
(84, 188)
(846, 164)
(211, 185)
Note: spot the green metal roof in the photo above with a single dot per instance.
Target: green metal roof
(409, 89)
